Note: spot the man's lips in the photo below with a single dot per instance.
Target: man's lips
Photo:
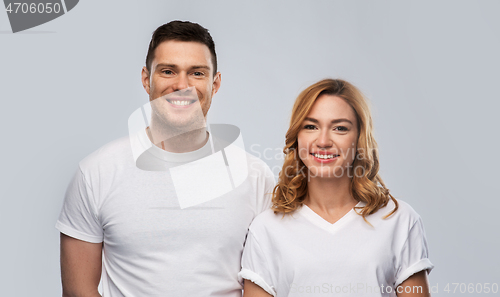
(181, 102)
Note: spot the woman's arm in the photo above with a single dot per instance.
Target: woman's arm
(252, 290)
(416, 285)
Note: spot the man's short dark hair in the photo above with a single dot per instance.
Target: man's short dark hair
(180, 31)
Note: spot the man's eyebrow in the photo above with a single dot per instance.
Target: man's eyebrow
(332, 122)
(165, 65)
(200, 67)
(175, 66)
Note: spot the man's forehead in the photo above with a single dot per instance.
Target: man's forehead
(183, 54)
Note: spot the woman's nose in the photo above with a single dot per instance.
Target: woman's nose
(324, 140)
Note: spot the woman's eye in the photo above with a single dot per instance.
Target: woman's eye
(309, 127)
(341, 128)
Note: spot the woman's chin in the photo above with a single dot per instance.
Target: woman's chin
(327, 173)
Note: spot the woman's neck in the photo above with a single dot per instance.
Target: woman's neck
(330, 198)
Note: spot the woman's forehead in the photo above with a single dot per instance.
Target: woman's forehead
(331, 107)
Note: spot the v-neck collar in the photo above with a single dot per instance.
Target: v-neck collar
(317, 220)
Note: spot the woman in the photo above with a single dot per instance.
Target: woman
(334, 228)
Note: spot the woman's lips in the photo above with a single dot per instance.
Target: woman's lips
(324, 157)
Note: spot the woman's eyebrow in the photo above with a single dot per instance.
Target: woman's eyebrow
(332, 122)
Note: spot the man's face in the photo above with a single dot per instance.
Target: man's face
(186, 69)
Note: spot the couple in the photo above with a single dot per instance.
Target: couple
(329, 226)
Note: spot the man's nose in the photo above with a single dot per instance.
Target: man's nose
(182, 82)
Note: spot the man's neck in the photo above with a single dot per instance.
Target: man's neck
(178, 143)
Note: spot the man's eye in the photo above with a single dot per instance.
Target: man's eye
(198, 73)
(309, 127)
(168, 72)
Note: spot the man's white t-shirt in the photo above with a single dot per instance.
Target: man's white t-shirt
(152, 247)
(304, 255)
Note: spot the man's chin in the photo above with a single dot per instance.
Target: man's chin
(183, 125)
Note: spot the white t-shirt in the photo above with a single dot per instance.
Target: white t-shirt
(304, 255)
(152, 247)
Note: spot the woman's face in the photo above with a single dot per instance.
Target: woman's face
(328, 138)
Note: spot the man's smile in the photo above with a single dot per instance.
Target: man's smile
(181, 102)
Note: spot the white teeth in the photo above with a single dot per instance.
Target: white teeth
(324, 156)
(180, 103)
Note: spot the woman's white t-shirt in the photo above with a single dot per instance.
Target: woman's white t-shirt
(304, 255)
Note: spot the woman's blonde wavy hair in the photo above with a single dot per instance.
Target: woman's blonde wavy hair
(366, 184)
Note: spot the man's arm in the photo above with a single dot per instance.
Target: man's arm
(81, 265)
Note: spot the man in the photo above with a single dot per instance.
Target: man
(132, 222)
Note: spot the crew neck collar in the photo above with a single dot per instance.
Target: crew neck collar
(164, 155)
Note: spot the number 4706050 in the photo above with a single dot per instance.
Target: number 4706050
(471, 288)
(33, 8)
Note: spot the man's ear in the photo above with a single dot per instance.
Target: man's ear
(145, 79)
(216, 84)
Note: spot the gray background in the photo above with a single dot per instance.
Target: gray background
(430, 68)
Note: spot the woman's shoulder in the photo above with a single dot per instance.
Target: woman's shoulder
(264, 218)
(405, 214)
(268, 221)
(403, 207)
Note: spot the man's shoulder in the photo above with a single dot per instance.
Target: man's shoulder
(256, 162)
(114, 153)
(260, 173)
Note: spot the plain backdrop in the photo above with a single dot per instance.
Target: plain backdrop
(430, 69)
